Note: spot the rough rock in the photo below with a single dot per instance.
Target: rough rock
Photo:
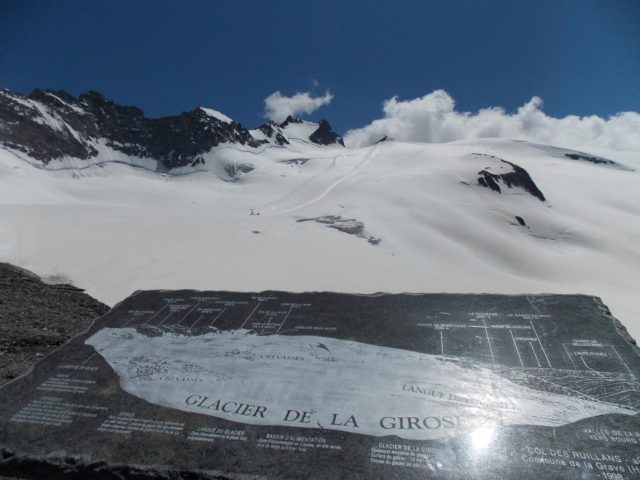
(589, 158)
(272, 130)
(36, 318)
(325, 135)
(517, 177)
(350, 226)
(289, 120)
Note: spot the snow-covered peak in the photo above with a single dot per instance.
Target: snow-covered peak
(216, 114)
(319, 133)
(299, 130)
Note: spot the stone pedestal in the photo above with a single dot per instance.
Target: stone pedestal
(186, 384)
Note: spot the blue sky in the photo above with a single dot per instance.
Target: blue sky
(581, 57)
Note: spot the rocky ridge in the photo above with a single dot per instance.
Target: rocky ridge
(48, 125)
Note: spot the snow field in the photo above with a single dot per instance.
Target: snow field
(114, 228)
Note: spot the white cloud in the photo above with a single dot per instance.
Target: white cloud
(277, 106)
(433, 118)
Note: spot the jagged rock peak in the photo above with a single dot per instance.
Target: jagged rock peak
(325, 135)
(289, 120)
(52, 125)
(273, 131)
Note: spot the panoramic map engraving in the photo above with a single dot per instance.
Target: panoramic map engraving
(322, 382)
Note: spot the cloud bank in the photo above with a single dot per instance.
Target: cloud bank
(277, 107)
(433, 118)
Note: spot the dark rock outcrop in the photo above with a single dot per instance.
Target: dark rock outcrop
(36, 318)
(517, 177)
(271, 130)
(590, 158)
(584, 157)
(289, 120)
(325, 135)
(350, 226)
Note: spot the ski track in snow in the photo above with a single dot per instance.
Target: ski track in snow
(318, 187)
